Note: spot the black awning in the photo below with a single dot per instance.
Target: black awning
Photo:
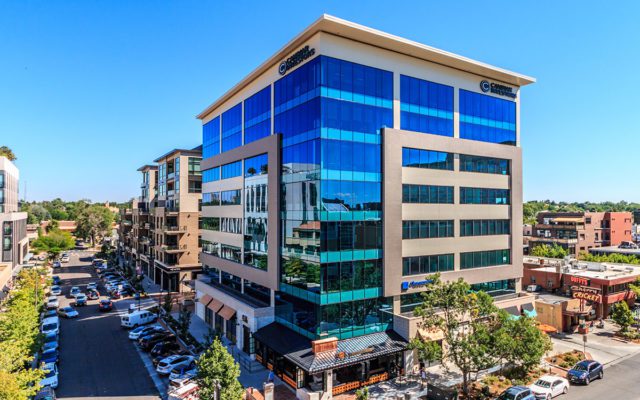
(349, 352)
(513, 310)
(281, 339)
(527, 307)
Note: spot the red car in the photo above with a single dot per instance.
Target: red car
(93, 295)
(105, 305)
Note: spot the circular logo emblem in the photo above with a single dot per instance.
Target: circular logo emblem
(282, 68)
(485, 86)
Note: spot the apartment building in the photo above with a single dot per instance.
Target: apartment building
(143, 220)
(337, 176)
(176, 219)
(15, 244)
(578, 232)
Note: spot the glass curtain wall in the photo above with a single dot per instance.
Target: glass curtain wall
(330, 113)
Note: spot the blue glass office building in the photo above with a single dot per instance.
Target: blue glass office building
(336, 177)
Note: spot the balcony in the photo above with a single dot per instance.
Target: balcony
(170, 209)
(174, 248)
(174, 229)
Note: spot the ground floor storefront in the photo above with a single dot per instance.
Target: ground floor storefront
(329, 365)
(172, 278)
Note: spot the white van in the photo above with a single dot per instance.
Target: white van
(137, 318)
(50, 325)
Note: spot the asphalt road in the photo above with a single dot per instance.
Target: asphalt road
(620, 382)
(97, 359)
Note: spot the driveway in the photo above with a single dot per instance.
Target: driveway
(97, 359)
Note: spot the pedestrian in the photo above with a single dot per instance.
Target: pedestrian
(270, 377)
(423, 377)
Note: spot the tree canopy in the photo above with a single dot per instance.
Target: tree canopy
(93, 221)
(477, 335)
(7, 152)
(54, 243)
(550, 251)
(217, 366)
(531, 208)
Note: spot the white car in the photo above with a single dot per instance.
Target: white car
(92, 285)
(175, 361)
(549, 386)
(64, 259)
(74, 291)
(51, 375)
(68, 312)
(52, 302)
(56, 290)
(50, 325)
(140, 331)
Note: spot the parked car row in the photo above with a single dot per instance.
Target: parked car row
(550, 386)
(169, 358)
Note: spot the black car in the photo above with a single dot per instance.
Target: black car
(105, 305)
(56, 280)
(585, 371)
(164, 349)
(146, 343)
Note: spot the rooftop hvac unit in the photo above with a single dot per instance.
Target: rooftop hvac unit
(594, 266)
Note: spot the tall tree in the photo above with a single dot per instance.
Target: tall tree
(466, 320)
(217, 367)
(54, 243)
(93, 221)
(7, 152)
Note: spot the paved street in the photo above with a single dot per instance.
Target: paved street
(97, 359)
(620, 382)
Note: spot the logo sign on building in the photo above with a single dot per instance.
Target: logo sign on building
(296, 59)
(498, 89)
(415, 284)
(578, 280)
(586, 293)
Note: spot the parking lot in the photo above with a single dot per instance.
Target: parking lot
(97, 359)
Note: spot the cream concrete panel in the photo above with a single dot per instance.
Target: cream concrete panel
(232, 239)
(455, 211)
(422, 247)
(359, 52)
(422, 176)
(222, 211)
(224, 184)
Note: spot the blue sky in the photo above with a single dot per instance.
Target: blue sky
(91, 90)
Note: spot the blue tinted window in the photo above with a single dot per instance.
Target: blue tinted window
(485, 165)
(257, 116)
(230, 197)
(258, 165)
(232, 128)
(480, 259)
(211, 138)
(470, 195)
(426, 106)
(427, 229)
(418, 158)
(427, 194)
(231, 170)
(427, 264)
(487, 118)
(211, 199)
(484, 227)
(211, 175)
(350, 156)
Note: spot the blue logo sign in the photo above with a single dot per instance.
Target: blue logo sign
(485, 86)
(295, 59)
(415, 284)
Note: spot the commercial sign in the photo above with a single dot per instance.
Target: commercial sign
(498, 89)
(578, 280)
(415, 284)
(586, 293)
(295, 59)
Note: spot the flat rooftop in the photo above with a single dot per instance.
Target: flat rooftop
(350, 30)
(615, 249)
(585, 269)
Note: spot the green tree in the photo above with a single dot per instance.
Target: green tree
(635, 287)
(54, 243)
(550, 251)
(217, 367)
(7, 152)
(362, 394)
(466, 320)
(519, 342)
(184, 321)
(93, 221)
(622, 315)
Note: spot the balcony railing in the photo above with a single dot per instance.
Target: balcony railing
(174, 228)
(172, 208)
(174, 247)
